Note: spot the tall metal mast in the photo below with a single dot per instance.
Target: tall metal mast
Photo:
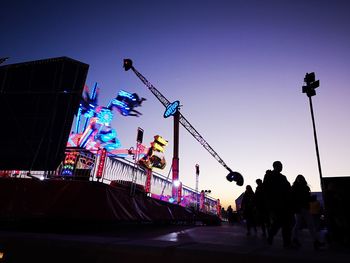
(232, 176)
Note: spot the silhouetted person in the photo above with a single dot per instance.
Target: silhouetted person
(278, 197)
(230, 214)
(248, 208)
(301, 200)
(262, 213)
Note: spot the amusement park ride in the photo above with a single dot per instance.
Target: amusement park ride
(96, 133)
(172, 109)
(53, 91)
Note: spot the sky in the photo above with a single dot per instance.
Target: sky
(237, 68)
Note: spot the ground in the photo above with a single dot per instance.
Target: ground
(158, 244)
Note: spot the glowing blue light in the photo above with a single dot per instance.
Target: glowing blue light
(90, 113)
(67, 172)
(94, 92)
(119, 103)
(171, 200)
(171, 109)
(105, 116)
(77, 124)
(108, 136)
(124, 93)
(97, 122)
(112, 146)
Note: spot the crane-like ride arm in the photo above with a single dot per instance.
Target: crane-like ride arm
(232, 176)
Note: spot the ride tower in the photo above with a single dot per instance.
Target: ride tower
(172, 109)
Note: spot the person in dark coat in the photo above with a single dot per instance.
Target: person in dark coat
(301, 195)
(278, 201)
(248, 208)
(261, 210)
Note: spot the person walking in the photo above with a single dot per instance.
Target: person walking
(248, 208)
(301, 196)
(278, 200)
(261, 210)
(230, 215)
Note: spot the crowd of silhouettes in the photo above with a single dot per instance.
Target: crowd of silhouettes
(278, 205)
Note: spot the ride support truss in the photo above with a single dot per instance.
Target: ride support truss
(233, 176)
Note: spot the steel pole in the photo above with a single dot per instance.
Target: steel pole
(316, 143)
(175, 164)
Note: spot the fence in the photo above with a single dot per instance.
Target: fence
(122, 171)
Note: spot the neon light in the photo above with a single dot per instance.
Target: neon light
(171, 109)
(85, 137)
(101, 164)
(108, 136)
(90, 113)
(77, 125)
(124, 93)
(148, 180)
(94, 93)
(119, 103)
(96, 132)
(69, 163)
(104, 116)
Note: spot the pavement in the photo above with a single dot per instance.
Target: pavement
(135, 243)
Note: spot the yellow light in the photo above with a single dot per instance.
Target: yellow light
(157, 147)
(1, 255)
(159, 139)
(159, 143)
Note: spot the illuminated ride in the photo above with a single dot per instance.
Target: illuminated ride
(155, 154)
(96, 133)
(125, 103)
(172, 109)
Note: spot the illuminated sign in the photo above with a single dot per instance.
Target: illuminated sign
(171, 109)
(148, 180)
(69, 163)
(101, 164)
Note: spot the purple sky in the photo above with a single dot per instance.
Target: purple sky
(237, 68)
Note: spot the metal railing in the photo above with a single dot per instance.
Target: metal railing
(121, 171)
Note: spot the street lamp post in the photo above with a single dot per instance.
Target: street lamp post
(309, 89)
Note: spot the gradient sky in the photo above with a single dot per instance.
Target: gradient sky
(237, 68)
